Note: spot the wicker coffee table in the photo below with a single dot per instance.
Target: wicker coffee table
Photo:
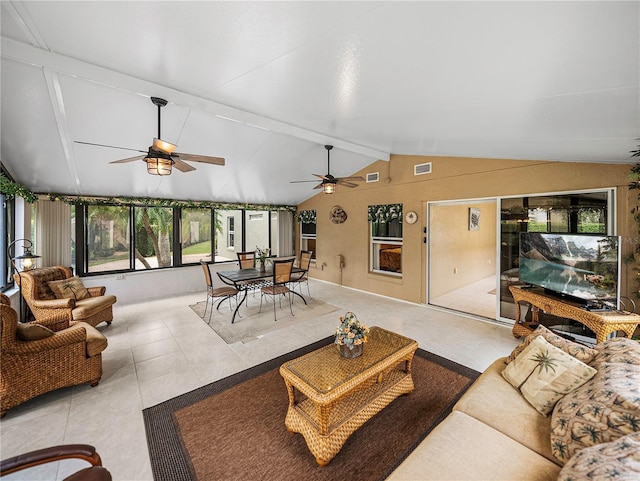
(330, 396)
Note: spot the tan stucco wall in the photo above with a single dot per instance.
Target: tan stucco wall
(451, 179)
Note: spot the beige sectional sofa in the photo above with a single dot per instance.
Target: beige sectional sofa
(494, 433)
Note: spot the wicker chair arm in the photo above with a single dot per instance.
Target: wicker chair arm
(96, 291)
(59, 339)
(54, 303)
(47, 455)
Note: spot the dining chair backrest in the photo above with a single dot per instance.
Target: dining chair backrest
(305, 259)
(207, 272)
(282, 271)
(247, 259)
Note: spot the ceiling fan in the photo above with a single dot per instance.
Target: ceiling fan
(329, 182)
(160, 157)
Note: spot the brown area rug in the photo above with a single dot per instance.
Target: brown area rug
(233, 429)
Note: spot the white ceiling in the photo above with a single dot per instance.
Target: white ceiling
(266, 84)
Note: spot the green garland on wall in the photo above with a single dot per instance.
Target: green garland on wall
(11, 189)
(148, 201)
(307, 216)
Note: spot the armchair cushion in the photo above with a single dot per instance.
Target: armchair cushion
(71, 288)
(96, 342)
(32, 332)
(86, 308)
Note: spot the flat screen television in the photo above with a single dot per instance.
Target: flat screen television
(585, 268)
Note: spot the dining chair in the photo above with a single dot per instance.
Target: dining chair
(247, 260)
(279, 286)
(222, 293)
(305, 261)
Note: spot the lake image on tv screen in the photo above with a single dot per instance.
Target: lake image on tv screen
(585, 267)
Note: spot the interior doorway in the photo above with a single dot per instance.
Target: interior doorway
(462, 238)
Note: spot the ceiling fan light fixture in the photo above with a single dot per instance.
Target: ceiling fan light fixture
(158, 165)
(328, 187)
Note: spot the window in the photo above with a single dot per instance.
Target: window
(107, 238)
(307, 219)
(385, 223)
(125, 238)
(7, 222)
(195, 235)
(231, 231)
(153, 237)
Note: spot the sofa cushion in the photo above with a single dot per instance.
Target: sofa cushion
(96, 341)
(492, 400)
(544, 373)
(580, 352)
(86, 308)
(71, 288)
(617, 350)
(32, 332)
(603, 409)
(463, 448)
(619, 460)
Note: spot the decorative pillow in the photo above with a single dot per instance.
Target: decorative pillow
(619, 460)
(544, 373)
(71, 288)
(580, 352)
(602, 410)
(32, 332)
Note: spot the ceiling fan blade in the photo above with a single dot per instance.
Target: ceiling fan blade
(357, 178)
(299, 181)
(110, 146)
(130, 159)
(182, 166)
(200, 158)
(319, 186)
(164, 146)
(323, 177)
(346, 184)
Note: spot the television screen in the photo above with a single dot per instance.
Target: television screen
(585, 267)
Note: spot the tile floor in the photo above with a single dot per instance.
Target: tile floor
(161, 348)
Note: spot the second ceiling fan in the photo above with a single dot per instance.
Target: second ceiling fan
(329, 182)
(161, 155)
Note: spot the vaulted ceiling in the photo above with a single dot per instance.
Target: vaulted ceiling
(267, 84)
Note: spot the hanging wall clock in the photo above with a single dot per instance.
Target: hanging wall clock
(411, 217)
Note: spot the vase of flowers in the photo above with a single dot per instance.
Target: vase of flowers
(351, 335)
(261, 256)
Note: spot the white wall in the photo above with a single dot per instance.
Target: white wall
(141, 286)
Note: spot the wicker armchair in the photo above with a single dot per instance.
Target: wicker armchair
(31, 368)
(59, 314)
(85, 452)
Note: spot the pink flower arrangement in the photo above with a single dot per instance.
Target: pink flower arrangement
(351, 332)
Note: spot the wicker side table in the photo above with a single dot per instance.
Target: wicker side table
(330, 397)
(602, 323)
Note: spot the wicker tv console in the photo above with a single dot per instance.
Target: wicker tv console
(602, 323)
(335, 396)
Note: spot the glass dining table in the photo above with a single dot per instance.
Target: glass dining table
(247, 279)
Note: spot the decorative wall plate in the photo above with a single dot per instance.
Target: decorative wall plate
(411, 217)
(337, 215)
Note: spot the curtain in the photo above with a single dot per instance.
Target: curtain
(53, 233)
(286, 234)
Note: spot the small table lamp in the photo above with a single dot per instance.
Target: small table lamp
(26, 261)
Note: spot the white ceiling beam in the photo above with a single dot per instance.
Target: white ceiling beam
(31, 55)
